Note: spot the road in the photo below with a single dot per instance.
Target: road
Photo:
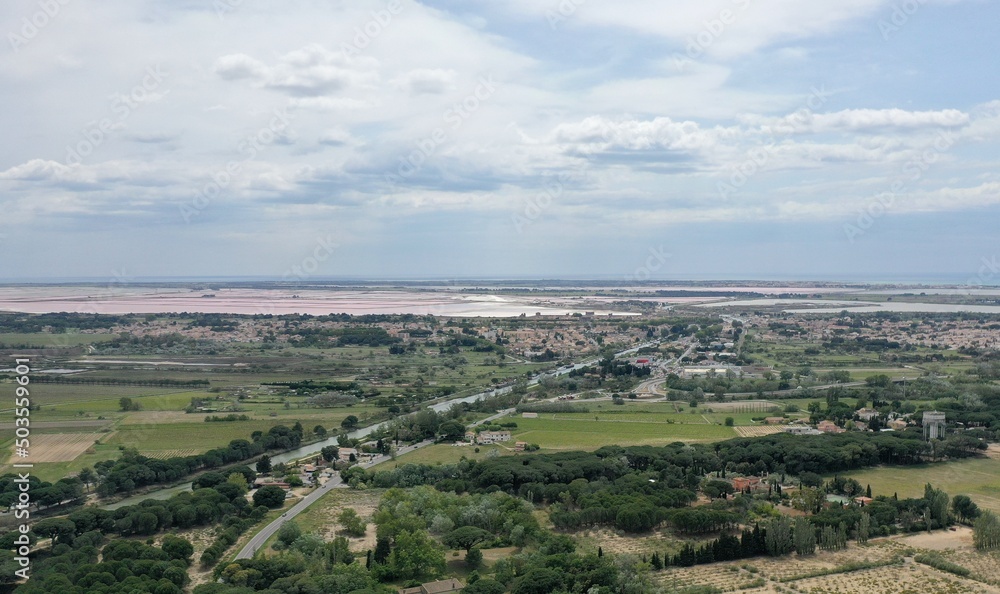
(335, 482)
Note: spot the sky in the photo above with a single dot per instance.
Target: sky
(305, 139)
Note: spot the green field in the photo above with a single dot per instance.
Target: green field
(445, 454)
(587, 434)
(978, 478)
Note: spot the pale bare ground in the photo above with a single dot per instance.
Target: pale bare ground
(746, 431)
(58, 447)
(611, 542)
(941, 540)
(784, 575)
(993, 451)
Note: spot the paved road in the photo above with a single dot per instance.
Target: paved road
(334, 483)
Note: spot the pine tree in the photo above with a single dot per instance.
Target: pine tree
(655, 561)
(868, 491)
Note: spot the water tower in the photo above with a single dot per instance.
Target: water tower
(933, 425)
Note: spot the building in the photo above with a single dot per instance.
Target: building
(897, 424)
(742, 483)
(867, 414)
(863, 501)
(438, 587)
(801, 430)
(520, 446)
(934, 424)
(489, 437)
(345, 454)
(829, 427)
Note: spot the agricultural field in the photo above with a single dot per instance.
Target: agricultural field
(579, 431)
(448, 454)
(883, 566)
(978, 478)
(59, 447)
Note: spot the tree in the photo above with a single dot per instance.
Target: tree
(864, 528)
(805, 537)
(451, 431)
(351, 523)
(289, 533)
(729, 421)
(269, 496)
(330, 453)
(465, 537)
(540, 580)
(239, 481)
(58, 529)
(382, 550)
(177, 548)
(415, 555)
(778, 537)
(485, 586)
(87, 476)
(473, 558)
(349, 422)
(986, 531)
(319, 431)
(126, 404)
(264, 465)
(964, 508)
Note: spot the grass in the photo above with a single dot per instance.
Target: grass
(978, 478)
(444, 454)
(566, 434)
(52, 340)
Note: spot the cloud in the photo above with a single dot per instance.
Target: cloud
(860, 120)
(311, 71)
(426, 81)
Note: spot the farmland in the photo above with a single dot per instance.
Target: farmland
(582, 432)
(978, 478)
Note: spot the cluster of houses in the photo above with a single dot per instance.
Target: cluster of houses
(487, 437)
(865, 415)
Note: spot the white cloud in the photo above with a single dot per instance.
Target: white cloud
(430, 81)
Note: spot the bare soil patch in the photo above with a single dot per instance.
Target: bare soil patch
(747, 431)
(58, 447)
(941, 540)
